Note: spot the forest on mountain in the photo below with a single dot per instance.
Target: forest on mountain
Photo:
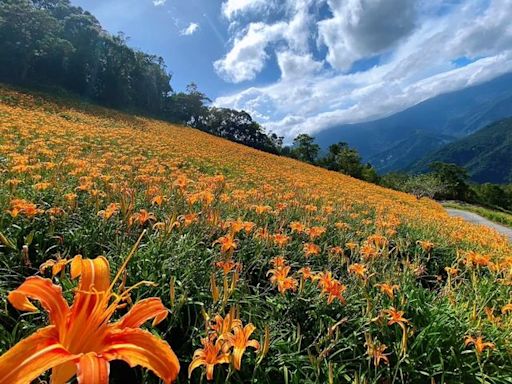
(485, 154)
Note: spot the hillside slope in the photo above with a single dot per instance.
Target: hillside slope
(454, 114)
(486, 154)
(332, 279)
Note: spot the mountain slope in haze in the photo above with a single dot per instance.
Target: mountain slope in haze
(454, 114)
(486, 154)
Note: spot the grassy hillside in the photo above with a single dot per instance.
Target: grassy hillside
(344, 281)
(486, 154)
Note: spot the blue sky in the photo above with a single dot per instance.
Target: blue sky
(307, 65)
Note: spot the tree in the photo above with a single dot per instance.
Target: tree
(342, 158)
(27, 35)
(493, 195)
(187, 107)
(424, 185)
(454, 178)
(237, 126)
(305, 149)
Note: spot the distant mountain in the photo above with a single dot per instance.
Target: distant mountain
(413, 147)
(395, 142)
(486, 154)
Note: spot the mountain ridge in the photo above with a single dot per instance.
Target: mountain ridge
(485, 154)
(454, 114)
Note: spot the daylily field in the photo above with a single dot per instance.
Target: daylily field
(129, 242)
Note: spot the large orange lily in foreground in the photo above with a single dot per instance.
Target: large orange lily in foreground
(80, 340)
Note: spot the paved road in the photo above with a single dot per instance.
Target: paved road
(477, 219)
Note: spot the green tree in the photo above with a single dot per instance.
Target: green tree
(455, 179)
(342, 158)
(424, 185)
(305, 149)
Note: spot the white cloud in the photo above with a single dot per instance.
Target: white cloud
(157, 3)
(361, 28)
(309, 96)
(232, 8)
(248, 55)
(190, 30)
(297, 67)
(250, 46)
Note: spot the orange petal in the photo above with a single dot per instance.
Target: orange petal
(63, 373)
(142, 311)
(94, 273)
(139, 347)
(196, 362)
(32, 356)
(76, 266)
(237, 357)
(92, 369)
(43, 290)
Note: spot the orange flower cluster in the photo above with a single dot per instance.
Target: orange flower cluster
(226, 342)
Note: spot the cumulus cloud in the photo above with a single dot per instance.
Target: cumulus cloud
(248, 55)
(249, 52)
(232, 8)
(190, 30)
(315, 91)
(361, 28)
(157, 3)
(297, 67)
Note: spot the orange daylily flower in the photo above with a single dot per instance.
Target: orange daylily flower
(278, 261)
(388, 289)
(477, 259)
(20, 206)
(80, 340)
(337, 250)
(506, 308)
(334, 290)
(307, 273)
(56, 265)
(188, 219)
(341, 226)
(142, 217)
(315, 232)
(357, 269)
(227, 266)
(479, 343)
(331, 287)
(297, 226)
(378, 241)
(376, 351)
(324, 279)
(281, 278)
(427, 246)
(110, 211)
(210, 355)
(395, 317)
(451, 271)
(227, 244)
(157, 200)
(239, 340)
(311, 249)
(223, 326)
(281, 240)
(368, 251)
